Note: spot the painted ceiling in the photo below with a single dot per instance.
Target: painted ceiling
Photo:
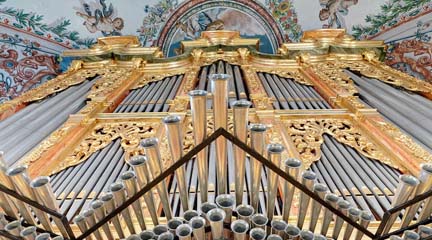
(33, 34)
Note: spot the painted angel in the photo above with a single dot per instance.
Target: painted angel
(101, 19)
(334, 11)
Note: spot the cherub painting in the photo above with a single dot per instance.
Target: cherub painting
(334, 11)
(101, 19)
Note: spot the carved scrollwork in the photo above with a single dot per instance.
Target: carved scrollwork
(130, 133)
(288, 73)
(111, 78)
(404, 140)
(261, 101)
(334, 76)
(154, 77)
(307, 135)
(179, 103)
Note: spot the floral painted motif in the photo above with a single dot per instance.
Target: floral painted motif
(285, 14)
(394, 12)
(154, 21)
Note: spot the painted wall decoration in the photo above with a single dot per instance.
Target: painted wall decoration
(33, 34)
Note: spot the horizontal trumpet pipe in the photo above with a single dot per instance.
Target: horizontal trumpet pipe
(306, 235)
(293, 232)
(226, 202)
(239, 228)
(274, 152)
(216, 218)
(308, 179)
(159, 229)
(166, 236)
(425, 178)
(175, 142)
(332, 199)
(274, 237)
(189, 214)
(147, 235)
(198, 101)
(292, 167)
(133, 237)
(240, 115)
(259, 220)
(257, 142)
(151, 147)
(173, 223)
(90, 218)
(6, 203)
(424, 231)
(44, 194)
(410, 235)
(320, 189)
(43, 236)
(129, 180)
(109, 204)
(365, 218)
(184, 232)
(118, 191)
(278, 227)
(14, 228)
(405, 189)
(198, 227)
(80, 221)
(219, 85)
(29, 233)
(342, 206)
(139, 165)
(257, 234)
(245, 212)
(354, 214)
(99, 210)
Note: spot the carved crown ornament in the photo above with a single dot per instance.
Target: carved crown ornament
(306, 135)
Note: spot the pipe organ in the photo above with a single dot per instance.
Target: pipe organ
(319, 141)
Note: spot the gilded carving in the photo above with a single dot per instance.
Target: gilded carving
(404, 140)
(261, 101)
(334, 76)
(130, 133)
(307, 135)
(287, 73)
(154, 77)
(179, 103)
(111, 78)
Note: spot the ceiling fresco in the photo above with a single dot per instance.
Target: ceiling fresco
(33, 34)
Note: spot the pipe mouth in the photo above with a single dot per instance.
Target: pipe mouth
(427, 168)
(207, 206)
(197, 222)
(78, 218)
(117, 186)
(343, 204)
(149, 142)
(292, 230)
(257, 127)
(96, 204)
(40, 181)
(107, 197)
(16, 170)
(225, 201)
(274, 237)
(28, 231)
(275, 148)
(127, 175)
(166, 236)
(137, 160)
(242, 103)
(43, 236)
(245, 210)
(197, 93)
(87, 213)
(147, 235)
(259, 219)
(410, 235)
(174, 223)
(239, 226)
(183, 230)
(354, 212)
(13, 225)
(366, 216)
(409, 179)
(219, 76)
(319, 187)
(216, 215)
(133, 237)
(257, 234)
(189, 214)
(171, 119)
(306, 235)
(159, 229)
(331, 197)
(293, 163)
(423, 229)
(278, 225)
(319, 237)
(309, 175)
